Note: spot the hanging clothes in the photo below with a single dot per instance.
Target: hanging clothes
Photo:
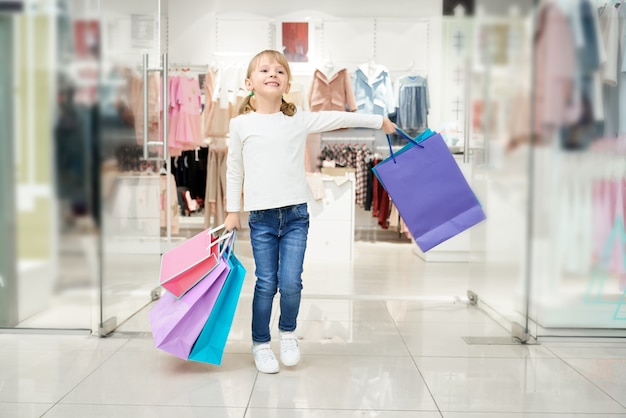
(135, 101)
(185, 107)
(373, 89)
(173, 199)
(412, 104)
(332, 92)
(554, 72)
(354, 156)
(215, 195)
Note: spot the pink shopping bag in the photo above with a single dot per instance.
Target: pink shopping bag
(184, 266)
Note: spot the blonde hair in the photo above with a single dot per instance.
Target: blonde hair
(287, 108)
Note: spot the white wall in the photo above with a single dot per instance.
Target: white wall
(347, 32)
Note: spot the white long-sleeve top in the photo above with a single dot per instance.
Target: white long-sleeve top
(266, 155)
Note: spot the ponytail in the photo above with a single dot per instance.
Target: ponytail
(287, 108)
(246, 106)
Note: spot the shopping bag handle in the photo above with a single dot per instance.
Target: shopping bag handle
(405, 136)
(229, 245)
(224, 236)
(214, 230)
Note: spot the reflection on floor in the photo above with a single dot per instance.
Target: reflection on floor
(382, 337)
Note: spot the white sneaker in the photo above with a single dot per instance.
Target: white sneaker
(289, 352)
(264, 358)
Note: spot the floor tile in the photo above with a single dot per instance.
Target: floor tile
(345, 382)
(33, 376)
(436, 311)
(343, 310)
(23, 410)
(158, 378)
(512, 385)
(588, 350)
(607, 373)
(59, 342)
(143, 411)
(350, 338)
(329, 413)
(445, 339)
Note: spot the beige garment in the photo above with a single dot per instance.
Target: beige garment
(332, 93)
(209, 91)
(217, 120)
(136, 105)
(174, 208)
(312, 152)
(215, 199)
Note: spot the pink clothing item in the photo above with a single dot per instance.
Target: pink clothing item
(173, 114)
(334, 93)
(554, 71)
(188, 104)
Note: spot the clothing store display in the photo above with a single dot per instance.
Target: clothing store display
(135, 101)
(554, 72)
(332, 93)
(373, 89)
(215, 196)
(412, 104)
(174, 214)
(185, 132)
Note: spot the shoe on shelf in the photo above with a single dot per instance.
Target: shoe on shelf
(289, 351)
(264, 358)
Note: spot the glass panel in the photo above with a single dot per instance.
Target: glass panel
(133, 194)
(579, 238)
(499, 76)
(51, 235)
(8, 282)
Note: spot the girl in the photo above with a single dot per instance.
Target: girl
(266, 165)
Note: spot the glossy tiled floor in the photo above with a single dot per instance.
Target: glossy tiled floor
(382, 337)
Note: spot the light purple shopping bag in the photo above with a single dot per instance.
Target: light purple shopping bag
(429, 191)
(177, 323)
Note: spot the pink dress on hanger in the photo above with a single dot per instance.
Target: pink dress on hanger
(189, 124)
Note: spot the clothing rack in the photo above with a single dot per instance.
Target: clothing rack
(200, 68)
(348, 138)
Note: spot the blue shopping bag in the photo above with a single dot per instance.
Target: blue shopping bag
(429, 190)
(209, 347)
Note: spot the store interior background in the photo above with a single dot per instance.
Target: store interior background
(69, 274)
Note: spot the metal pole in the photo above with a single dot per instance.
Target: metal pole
(145, 106)
(468, 104)
(164, 106)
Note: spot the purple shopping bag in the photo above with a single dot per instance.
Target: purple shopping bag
(429, 190)
(177, 323)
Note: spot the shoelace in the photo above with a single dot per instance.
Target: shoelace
(289, 343)
(265, 354)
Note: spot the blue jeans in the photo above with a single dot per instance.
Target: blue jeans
(278, 238)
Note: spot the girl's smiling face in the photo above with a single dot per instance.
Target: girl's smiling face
(269, 78)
